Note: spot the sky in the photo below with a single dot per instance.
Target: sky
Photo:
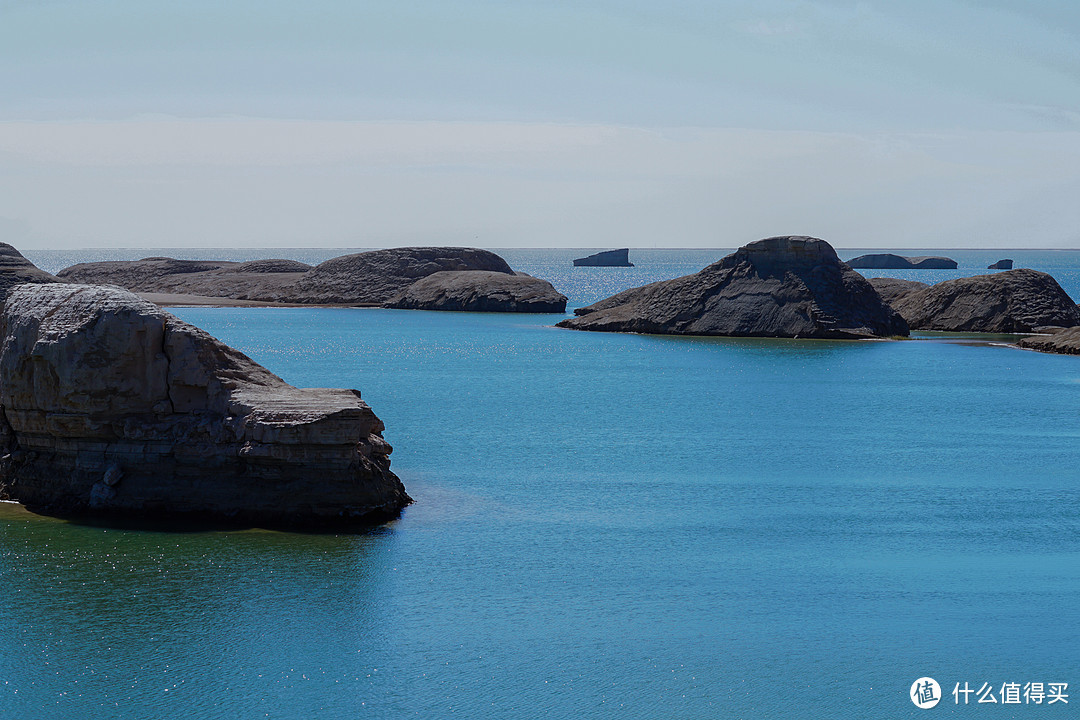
(592, 123)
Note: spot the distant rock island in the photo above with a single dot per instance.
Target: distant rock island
(375, 278)
(607, 258)
(790, 286)
(888, 261)
(111, 406)
(1013, 301)
(1001, 265)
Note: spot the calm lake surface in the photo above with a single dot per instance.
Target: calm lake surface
(605, 526)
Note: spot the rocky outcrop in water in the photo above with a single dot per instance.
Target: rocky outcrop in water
(1065, 341)
(265, 280)
(888, 261)
(480, 291)
(1001, 265)
(111, 406)
(368, 278)
(790, 286)
(1013, 301)
(16, 270)
(607, 258)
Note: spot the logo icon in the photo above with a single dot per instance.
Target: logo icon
(925, 693)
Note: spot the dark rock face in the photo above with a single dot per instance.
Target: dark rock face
(607, 258)
(369, 278)
(789, 286)
(111, 406)
(1013, 301)
(888, 261)
(892, 289)
(1066, 342)
(1001, 265)
(374, 277)
(480, 291)
(16, 270)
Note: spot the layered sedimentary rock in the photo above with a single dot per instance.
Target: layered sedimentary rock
(1066, 341)
(1013, 301)
(888, 261)
(480, 291)
(789, 286)
(16, 270)
(891, 289)
(1001, 265)
(368, 278)
(112, 406)
(607, 258)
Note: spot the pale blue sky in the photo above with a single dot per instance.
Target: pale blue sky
(586, 123)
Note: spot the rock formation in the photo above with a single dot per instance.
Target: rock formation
(16, 270)
(265, 280)
(113, 407)
(368, 278)
(480, 291)
(788, 286)
(1013, 301)
(888, 261)
(1065, 341)
(607, 258)
(892, 289)
(1001, 265)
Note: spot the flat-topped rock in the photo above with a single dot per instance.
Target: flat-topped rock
(1065, 341)
(368, 278)
(891, 289)
(480, 291)
(607, 258)
(111, 406)
(261, 280)
(888, 261)
(16, 270)
(1001, 265)
(1013, 301)
(790, 286)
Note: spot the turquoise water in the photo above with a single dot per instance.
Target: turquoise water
(605, 526)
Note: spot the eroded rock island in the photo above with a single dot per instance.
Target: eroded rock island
(790, 286)
(112, 406)
(1012, 301)
(888, 261)
(375, 278)
(606, 258)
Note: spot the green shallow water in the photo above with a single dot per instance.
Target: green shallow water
(605, 526)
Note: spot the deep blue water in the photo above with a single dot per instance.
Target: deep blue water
(605, 526)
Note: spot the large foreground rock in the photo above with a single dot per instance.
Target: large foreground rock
(606, 258)
(112, 406)
(480, 291)
(369, 278)
(1013, 301)
(888, 261)
(16, 270)
(788, 286)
